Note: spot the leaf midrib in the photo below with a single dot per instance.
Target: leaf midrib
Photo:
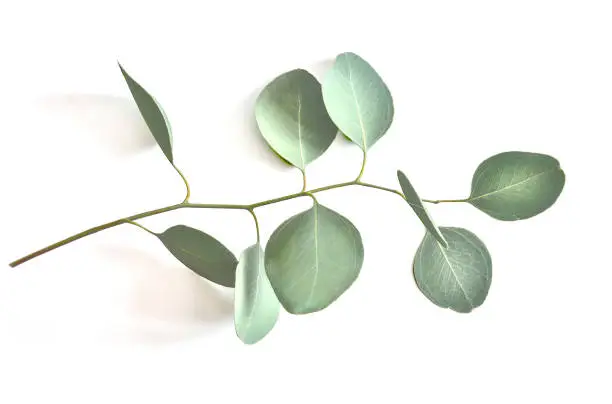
(316, 252)
(299, 122)
(359, 117)
(512, 185)
(454, 274)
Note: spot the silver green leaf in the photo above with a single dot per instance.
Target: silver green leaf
(152, 113)
(357, 100)
(312, 258)
(292, 118)
(256, 307)
(201, 253)
(457, 277)
(516, 185)
(417, 205)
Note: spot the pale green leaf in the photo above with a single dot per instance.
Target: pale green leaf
(516, 185)
(357, 100)
(256, 307)
(201, 253)
(153, 115)
(312, 258)
(457, 277)
(292, 118)
(417, 205)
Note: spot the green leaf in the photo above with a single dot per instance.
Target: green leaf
(312, 258)
(256, 307)
(516, 185)
(152, 113)
(292, 118)
(457, 277)
(357, 100)
(201, 253)
(417, 205)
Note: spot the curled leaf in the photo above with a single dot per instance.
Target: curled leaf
(152, 113)
(256, 307)
(417, 205)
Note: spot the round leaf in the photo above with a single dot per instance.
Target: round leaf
(153, 115)
(357, 100)
(312, 258)
(256, 307)
(417, 205)
(291, 117)
(201, 253)
(516, 185)
(457, 277)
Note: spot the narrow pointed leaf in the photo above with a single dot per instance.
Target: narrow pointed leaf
(292, 118)
(357, 100)
(201, 253)
(256, 307)
(516, 185)
(312, 258)
(153, 115)
(417, 205)
(457, 277)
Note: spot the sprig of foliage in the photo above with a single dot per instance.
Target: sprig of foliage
(313, 257)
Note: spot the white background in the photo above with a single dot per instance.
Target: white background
(113, 318)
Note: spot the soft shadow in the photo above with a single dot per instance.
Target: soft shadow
(321, 67)
(114, 122)
(173, 301)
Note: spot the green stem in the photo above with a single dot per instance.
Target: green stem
(252, 212)
(363, 184)
(446, 201)
(250, 208)
(363, 164)
(186, 184)
(303, 180)
(91, 231)
(141, 226)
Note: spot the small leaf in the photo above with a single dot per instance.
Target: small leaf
(312, 258)
(153, 115)
(417, 205)
(357, 100)
(256, 307)
(292, 118)
(201, 253)
(516, 185)
(457, 277)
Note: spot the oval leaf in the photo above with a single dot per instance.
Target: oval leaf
(292, 118)
(201, 253)
(457, 277)
(357, 100)
(152, 113)
(256, 307)
(516, 185)
(312, 258)
(417, 205)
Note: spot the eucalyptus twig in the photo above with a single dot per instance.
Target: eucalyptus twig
(315, 256)
(250, 208)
